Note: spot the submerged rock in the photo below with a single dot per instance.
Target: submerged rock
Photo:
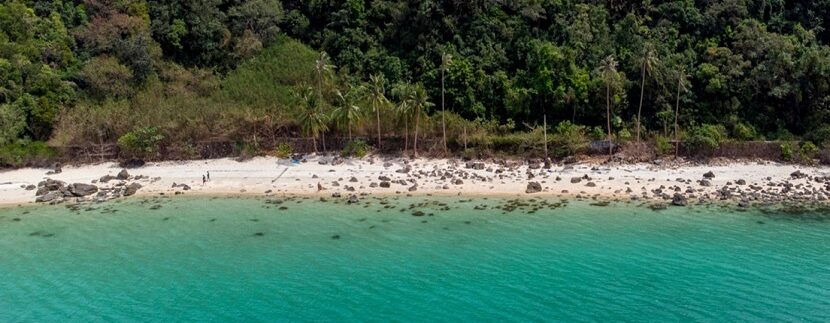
(679, 200)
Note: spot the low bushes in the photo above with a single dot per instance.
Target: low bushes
(26, 153)
(357, 148)
(140, 143)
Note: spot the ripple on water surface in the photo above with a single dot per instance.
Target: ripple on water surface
(412, 259)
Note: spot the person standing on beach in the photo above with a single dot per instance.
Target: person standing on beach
(204, 180)
(208, 176)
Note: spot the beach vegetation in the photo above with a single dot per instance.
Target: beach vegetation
(284, 150)
(356, 148)
(141, 142)
(258, 72)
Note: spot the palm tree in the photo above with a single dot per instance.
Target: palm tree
(682, 85)
(608, 70)
(348, 113)
(650, 61)
(323, 68)
(420, 102)
(403, 91)
(312, 121)
(446, 61)
(377, 95)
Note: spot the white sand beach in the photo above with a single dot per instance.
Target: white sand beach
(263, 176)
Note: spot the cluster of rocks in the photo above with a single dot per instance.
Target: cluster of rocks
(798, 188)
(55, 191)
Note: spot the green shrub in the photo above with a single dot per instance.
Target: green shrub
(357, 148)
(141, 142)
(743, 131)
(820, 136)
(284, 150)
(783, 135)
(624, 134)
(247, 150)
(707, 137)
(787, 151)
(597, 133)
(808, 151)
(568, 139)
(24, 153)
(663, 146)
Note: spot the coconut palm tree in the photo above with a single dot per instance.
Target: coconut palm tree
(403, 92)
(682, 85)
(348, 113)
(323, 69)
(420, 103)
(608, 71)
(650, 61)
(313, 120)
(446, 61)
(377, 94)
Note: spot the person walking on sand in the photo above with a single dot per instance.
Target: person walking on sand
(208, 176)
(204, 180)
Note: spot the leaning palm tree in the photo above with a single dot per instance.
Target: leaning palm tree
(313, 120)
(420, 103)
(682, 85)
(403, 92)
(608, 70)
(348, 113)
(650, 61)
(377, 95)
(446, 61)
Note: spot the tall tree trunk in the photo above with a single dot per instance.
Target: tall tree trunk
(415, 142)
(573, 117)
(350, 132)
(640, 109)
(545, 130)
(608, 116)
(405, 134)
(676, 114)
(443, 113)
(465, 137)
(314, 141)
(323, 140)
(377, 113)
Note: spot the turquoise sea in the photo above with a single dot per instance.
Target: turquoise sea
(236, 259)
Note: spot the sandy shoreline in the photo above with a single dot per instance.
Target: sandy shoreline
(263, 176)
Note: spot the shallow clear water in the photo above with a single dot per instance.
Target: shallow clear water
(247, 260)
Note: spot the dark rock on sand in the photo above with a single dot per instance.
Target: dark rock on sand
(80, 189)
(798, 175)
(533, 187)
(709, 175)
(123, 175)
(131, 189)
(48, 197)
